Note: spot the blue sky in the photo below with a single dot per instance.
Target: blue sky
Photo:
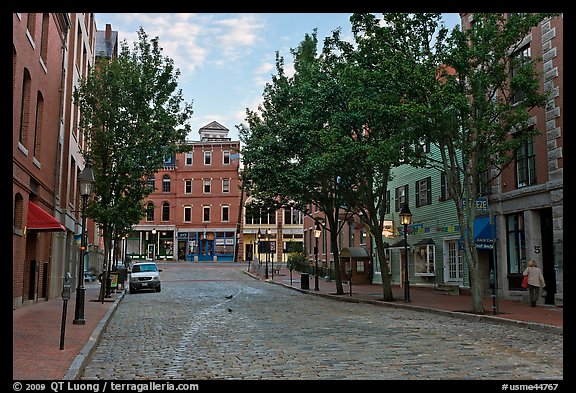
(226, 59)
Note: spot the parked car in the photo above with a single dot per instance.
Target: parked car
(144, 275)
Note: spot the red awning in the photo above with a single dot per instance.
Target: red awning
(39, 220)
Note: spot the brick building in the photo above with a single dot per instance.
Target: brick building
(193, 213)
(52, 53)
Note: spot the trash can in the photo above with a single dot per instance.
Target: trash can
(122, 277)
(304, 281)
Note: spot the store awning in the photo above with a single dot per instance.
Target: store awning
(482, 233)
(354, 252)
(39, 220)
(400, 244)
(424, 242)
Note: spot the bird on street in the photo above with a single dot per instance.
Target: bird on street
(229, 309)
(229, 297)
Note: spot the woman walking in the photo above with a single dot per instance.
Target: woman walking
(535, 281)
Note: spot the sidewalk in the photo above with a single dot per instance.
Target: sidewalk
(36, 332)
(548, 318)
(36, 328)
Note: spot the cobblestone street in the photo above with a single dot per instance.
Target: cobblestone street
(191, 330)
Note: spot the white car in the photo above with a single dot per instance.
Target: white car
(144, 275)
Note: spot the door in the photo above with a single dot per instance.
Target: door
(206, 250)
(150, 254)
(181, 250)
(453, 267)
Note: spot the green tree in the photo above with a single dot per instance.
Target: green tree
(289, 153)
(476, 107)
(132, 117)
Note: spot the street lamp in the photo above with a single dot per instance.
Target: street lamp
(406, 219)
(317, 233)
(267, 249)
(85, 183)
(259, 235)
(154, 244)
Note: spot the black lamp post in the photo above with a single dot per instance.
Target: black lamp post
(85, 183)
(406, 219)
(259, 235)
(267, 249)
(317, 233)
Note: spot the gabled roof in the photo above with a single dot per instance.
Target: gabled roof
(214, 126)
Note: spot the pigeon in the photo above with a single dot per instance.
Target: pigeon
(229, 310)
(229, 297)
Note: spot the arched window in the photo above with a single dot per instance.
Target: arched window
(25, 108)
(165, 211)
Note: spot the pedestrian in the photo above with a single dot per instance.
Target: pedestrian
(535, 281)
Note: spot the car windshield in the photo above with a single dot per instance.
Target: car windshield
(144, 268)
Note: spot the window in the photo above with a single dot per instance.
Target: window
(350, 233)
(445, 193)
(151, 183)
(423, 146)
(225, 186)
(519, 59)
(400, 197)
(25, 108)
(188, 158)
(165, 183)
(207, 158)
(187, 213)
(424, 259)
(188, 186)
(526, 164)
(387, 208)
(387, 261)
(44, 37)
(423, 192)
(293, 217)
(150, 212)
(31, 24)
(207, 185)
(165, 211)
(206, 214)
(38, 126)
(516, 243)
(226, 157)
(225, 213)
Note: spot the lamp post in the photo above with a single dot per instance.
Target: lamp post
(259, 235)
(85, 183)
(406, 219)
(154, 244)
(317, 233)
(267, 249)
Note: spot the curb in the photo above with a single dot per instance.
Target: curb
(81, 359)
(470, 317)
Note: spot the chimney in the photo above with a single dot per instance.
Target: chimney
(108, 32)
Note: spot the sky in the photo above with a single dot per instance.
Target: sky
(225, 59)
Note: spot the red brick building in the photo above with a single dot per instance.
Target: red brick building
(37, 77)
(193, 213)
(52, 53)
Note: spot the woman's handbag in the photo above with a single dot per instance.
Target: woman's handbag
(525, 282)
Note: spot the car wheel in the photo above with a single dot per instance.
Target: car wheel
(132, 290)
(158, 289)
